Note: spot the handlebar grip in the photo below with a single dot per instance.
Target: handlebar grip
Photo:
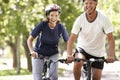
(62, 60)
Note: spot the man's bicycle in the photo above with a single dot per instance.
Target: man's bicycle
(86, 69)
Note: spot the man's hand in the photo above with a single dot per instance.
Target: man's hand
(70, 58)
(110, 59)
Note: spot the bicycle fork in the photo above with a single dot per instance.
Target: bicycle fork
(46, 70)
(86, 71)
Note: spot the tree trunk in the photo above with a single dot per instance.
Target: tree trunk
(18, 55)
(13, 49)
(29, 62)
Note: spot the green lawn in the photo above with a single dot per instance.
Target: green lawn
(23, 72)
(13, 72)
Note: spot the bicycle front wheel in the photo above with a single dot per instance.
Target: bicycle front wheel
(86, 73)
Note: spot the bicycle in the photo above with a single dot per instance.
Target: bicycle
(86, 69)
(46, 67)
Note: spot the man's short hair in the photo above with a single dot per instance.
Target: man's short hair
(93, 0)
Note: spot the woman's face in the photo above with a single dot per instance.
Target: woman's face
(53, 16)
(89, 6)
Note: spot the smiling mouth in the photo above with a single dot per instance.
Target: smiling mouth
(53, 20)
(88, 9)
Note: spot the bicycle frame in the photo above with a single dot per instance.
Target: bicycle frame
(46, 67)
(86, 71)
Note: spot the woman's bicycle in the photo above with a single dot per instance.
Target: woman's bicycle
(86, 69)
(46, 67)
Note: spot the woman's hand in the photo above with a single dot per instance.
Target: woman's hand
(34, 54)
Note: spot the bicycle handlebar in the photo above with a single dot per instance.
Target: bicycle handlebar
(76, 60)
(90, 60)
(60, 60)
(79, 59)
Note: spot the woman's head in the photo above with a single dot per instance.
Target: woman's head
(52, 7)
(52, 12)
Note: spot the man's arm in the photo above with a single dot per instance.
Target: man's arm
(111, 49)
(70, 46)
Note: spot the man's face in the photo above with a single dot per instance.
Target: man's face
(89, 6)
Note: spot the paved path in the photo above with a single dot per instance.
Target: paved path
(110, 72)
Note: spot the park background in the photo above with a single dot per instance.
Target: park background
(19, 17)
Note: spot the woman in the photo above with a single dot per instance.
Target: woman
(49, 33)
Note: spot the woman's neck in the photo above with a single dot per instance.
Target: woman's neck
(52, 25)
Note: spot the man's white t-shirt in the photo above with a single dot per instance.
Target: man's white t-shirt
(91, 35)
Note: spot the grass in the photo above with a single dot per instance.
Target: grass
(23, 72)
(13, 72)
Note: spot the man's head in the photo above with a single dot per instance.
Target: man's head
(90, 6)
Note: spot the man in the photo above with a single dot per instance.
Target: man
(92, 28)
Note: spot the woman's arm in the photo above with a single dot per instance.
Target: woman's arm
(30, 46)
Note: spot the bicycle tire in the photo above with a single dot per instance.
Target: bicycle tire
(83, 74)
(86, 71)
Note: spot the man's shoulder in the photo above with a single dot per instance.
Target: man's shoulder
(81, 17)
(101, 14)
